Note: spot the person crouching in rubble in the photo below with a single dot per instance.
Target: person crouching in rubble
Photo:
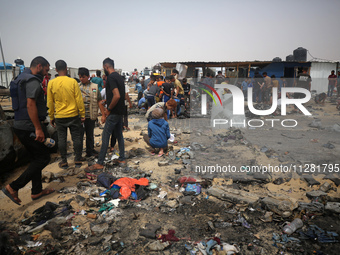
(158, 132)
(169, 105)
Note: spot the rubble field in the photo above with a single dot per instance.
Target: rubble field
(182, 203)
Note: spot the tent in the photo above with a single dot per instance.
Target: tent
(8, 66)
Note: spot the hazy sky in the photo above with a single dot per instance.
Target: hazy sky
(137, 34)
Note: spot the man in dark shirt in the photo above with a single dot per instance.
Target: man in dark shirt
(168, 89)
(219, 78)
(303, 80)
(113, 114)
(29, 111)
(331, 83)
(187, 90)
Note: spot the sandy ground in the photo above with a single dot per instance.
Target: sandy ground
(239, 154)
(296, 147)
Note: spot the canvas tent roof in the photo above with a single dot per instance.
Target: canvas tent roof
(8, 66)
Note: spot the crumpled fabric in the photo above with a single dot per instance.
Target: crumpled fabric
(170, 236)
(127, 185)
(314, 232)
(283, 239)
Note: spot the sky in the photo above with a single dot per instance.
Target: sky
(138, 34)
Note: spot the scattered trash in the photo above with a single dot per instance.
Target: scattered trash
(193, 188)
(157, 245)
(317, 234)
(162, 194)
(316, 123)
(163, 163)
(283, 239)
(170, 237)
(172, 138)
(328, 145)
(243, 221)
(268, 217)
(150, 230)
(178, 171)
(152, 186)
(127, 185)
(325, 187)
(333, 207)
(290, 228)
(264, 149)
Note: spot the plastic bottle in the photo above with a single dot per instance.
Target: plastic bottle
(49, 142)
(290, 228)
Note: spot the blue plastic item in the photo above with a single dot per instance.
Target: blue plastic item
(193, 187)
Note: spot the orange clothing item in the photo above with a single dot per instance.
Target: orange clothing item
(160, 83)
(127, 185)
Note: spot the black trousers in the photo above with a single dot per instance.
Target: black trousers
(125, 124)
(74, 124)
(88, 129)
(40, 157)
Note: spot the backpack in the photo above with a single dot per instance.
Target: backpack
(105, 180)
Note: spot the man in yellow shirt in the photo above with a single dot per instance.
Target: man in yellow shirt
(66, 105)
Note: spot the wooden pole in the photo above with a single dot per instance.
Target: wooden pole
(3, 60)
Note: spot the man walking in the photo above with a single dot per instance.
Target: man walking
(29, 111)
(65, 104)
(113, 115)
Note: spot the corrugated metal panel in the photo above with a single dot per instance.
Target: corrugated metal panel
(319, 73)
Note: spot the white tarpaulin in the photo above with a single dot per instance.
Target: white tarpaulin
(319, 72)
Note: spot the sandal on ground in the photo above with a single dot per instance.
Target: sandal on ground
(63, 164)
(13, 196)
(93, 168)
(91, 177)
(43, 193)
(121, 163)
(79, 162)
(160, 155)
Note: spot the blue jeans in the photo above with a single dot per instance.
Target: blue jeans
(330, 90)
(245, 92)
(179, 103)
(166, 99)
(257, 93)
(151, 100)
(113, 123)
(178, 106)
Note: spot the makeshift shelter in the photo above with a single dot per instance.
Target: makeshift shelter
(320, 72)
(6, 69)
(7, 65)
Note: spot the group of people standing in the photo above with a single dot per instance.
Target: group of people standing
(70, 106)
(158, 89)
